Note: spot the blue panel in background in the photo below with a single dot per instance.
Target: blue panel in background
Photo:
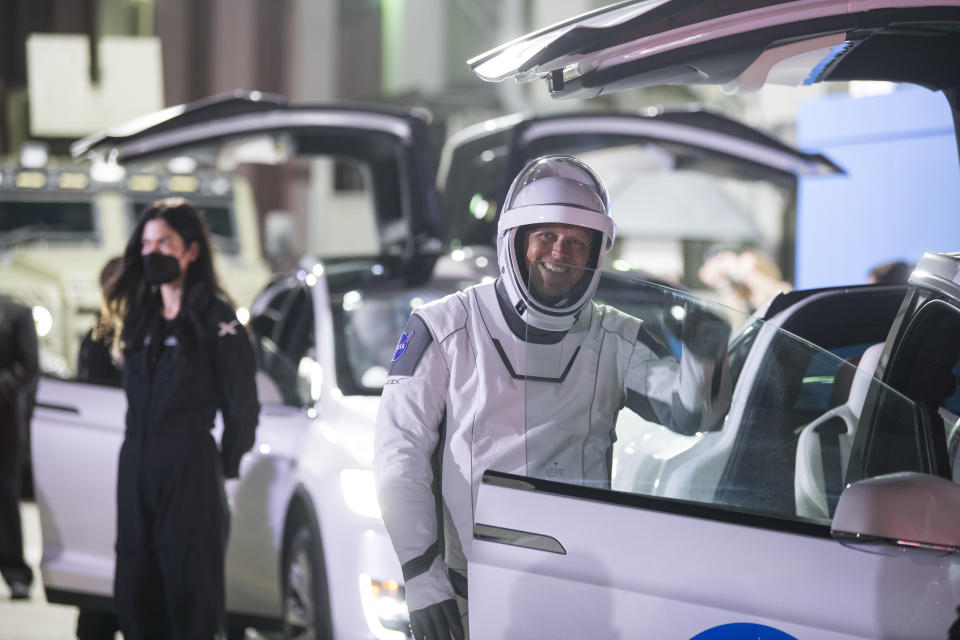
(900, 196)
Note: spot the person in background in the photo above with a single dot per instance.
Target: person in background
(745, 281)
(462, 396)
(98, 357)
(186, 356)
(896, 272)
(19, 368)
(97, 364)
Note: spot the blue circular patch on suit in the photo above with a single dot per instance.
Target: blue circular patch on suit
(742, 631)
(402, 345)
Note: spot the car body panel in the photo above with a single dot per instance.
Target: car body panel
(659, 567)
(77, 430)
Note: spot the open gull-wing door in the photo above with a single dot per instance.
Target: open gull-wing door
(390, 145)
(741, 45)
(694, 175)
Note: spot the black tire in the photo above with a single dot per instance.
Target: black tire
(305, 603)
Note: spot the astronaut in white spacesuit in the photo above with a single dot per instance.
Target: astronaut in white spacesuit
(525, 375)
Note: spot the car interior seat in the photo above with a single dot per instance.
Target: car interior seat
(823, 447)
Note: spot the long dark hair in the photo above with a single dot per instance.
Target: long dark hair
(139, 304)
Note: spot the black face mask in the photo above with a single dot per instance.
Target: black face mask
(159, 268)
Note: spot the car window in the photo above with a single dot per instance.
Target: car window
(924, 368)
(283, 329)
(26, 218)
(772, 434)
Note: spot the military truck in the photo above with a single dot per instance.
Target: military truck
(60, 223)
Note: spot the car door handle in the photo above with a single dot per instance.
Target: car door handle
(516, 538)
(58, 407)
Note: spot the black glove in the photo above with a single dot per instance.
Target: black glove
(439, 621)
(704, 334)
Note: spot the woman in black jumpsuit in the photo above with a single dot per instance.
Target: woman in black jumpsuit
(186, 356)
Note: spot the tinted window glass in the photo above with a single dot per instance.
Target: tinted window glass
(924, 367)
(284, 333)
(221, 223)
(47, 218)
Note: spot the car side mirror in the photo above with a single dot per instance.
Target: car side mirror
(905, 509)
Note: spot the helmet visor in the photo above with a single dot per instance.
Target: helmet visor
(558, 180)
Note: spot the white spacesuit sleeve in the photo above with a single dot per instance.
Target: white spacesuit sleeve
(688, 396)
(407, 439)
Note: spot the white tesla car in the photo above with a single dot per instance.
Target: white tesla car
(826, 505)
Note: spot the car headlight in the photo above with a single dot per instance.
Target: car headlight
(243, 315)
(43, 320)
(360, 492)
(384, 608)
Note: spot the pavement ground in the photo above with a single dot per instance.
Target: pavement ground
(37, 619)
(34, 619)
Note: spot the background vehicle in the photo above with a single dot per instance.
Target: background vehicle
(827, 505)
(60, 223)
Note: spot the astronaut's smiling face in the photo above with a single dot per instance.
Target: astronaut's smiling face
(555, 258)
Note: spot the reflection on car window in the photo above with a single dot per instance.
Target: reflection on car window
(782, 448)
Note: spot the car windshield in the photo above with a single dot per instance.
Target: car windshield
(758, 420)
(23, 220)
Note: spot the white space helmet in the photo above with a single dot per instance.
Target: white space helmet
(552, 189)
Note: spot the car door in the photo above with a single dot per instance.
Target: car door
(686, 175)
(76, 432)
(387, 148)
(283, 332)
(699, 534)
(740, 46)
